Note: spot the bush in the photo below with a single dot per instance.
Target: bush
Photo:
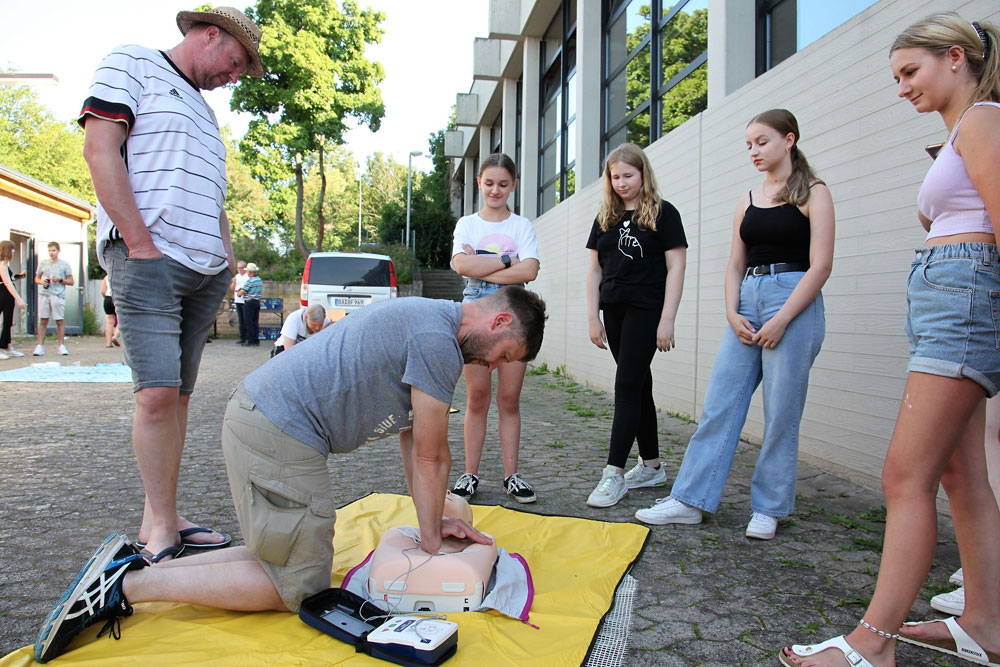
(90, 325)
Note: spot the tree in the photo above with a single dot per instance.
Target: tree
(384, 188)
(431, 219)
(34, 143)
(316, 74)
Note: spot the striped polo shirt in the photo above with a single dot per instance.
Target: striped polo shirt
(174, 154)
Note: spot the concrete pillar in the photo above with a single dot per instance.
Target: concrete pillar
(732, 53)
(588, 93)
(529, 127)
(470, 183)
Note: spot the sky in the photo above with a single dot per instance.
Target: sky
(426, 52)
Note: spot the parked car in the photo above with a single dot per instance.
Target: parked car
(344, 281)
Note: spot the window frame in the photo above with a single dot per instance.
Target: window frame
(561, 65)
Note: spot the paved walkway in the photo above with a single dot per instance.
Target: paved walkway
(706, 596)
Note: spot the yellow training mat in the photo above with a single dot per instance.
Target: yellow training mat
(576, 565)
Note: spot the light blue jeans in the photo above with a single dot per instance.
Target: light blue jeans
(738, 369)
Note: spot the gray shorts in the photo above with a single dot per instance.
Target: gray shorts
(284, 500)
(51, 307)
(165, 312)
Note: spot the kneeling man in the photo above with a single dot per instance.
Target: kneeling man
(388, 368)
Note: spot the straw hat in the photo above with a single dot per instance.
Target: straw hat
(234, 22)
(252, 268)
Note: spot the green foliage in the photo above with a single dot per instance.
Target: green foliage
(431, 222)
(316, 74)
(90, 326)
(34, 143)
(538, 370)
(274, 263)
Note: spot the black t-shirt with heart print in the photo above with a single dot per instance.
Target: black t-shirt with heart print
(633, 265)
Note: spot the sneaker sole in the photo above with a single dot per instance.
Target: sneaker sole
(592, 503)
(522, 500)
(646, 485)
(688, 521)
(760, 536)
(97, 564)
(945, 608)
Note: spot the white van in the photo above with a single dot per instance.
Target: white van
(345, 281)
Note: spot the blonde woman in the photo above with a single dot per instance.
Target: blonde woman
(781, 256)
(637, 256)
(948, 66)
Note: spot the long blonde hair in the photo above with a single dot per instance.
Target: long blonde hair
(796, 190)
(939, 32)
(612, 207)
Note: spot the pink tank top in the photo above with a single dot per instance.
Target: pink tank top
(948, 198)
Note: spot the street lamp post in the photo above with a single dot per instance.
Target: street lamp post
(409, 186)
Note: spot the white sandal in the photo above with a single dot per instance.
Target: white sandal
(961, 645)
(806, 650)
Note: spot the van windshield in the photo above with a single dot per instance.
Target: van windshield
(347, 271)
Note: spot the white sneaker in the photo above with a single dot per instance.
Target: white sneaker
(609, 490)
(3, 356)
(762, 526)
(957, 577)
(39, 351)
(669, 510)
(950, 603)
(63, 351)
(11, 352)
(643, 475)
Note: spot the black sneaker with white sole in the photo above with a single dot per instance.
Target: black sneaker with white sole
(518, 489)
(95, 595)
(466, 485)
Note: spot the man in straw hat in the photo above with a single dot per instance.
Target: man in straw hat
(158, 165)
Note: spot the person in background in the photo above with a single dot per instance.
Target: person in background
(298, 326)
(638, 252)
(253, 288)
(945, 65)
(9, 299)
(238, 281)
(53, 275)
(492, 249)
(781, 256)
(110, 318)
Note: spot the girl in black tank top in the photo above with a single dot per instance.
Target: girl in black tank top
(781, 255)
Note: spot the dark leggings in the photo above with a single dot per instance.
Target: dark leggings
(251, 313)
(7, 308)
(632, 338)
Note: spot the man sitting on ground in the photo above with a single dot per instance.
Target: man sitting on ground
(298, 326)
(389, 368)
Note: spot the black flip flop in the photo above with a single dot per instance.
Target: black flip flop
(204, 545)
(197, 545)
(170, 552)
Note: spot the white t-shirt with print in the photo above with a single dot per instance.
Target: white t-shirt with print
(514, 236)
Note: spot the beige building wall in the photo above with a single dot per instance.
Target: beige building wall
(867, 144)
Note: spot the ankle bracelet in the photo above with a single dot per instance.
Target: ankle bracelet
(880, 633)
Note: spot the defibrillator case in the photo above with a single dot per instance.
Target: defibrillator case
(350, 618)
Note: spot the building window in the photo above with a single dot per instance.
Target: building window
(496, 131)
(517, 149)
(787, 26)
(475, 184)
(557, 113)
(655, 68)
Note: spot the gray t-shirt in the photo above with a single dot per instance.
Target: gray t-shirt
(350, 383)
(57, 269)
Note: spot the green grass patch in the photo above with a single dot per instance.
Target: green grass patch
(538, 370)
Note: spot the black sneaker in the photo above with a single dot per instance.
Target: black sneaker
(95, 595)
(518, 489)
(466, 485)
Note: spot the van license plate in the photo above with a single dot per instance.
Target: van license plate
(348, 301)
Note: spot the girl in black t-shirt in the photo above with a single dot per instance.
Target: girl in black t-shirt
(637, 255)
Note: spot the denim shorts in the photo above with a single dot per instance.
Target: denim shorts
(165, 313)
(477, 289)
(283, 498)
(953, 313)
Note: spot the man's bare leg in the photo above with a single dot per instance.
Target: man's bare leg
(227, 579)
